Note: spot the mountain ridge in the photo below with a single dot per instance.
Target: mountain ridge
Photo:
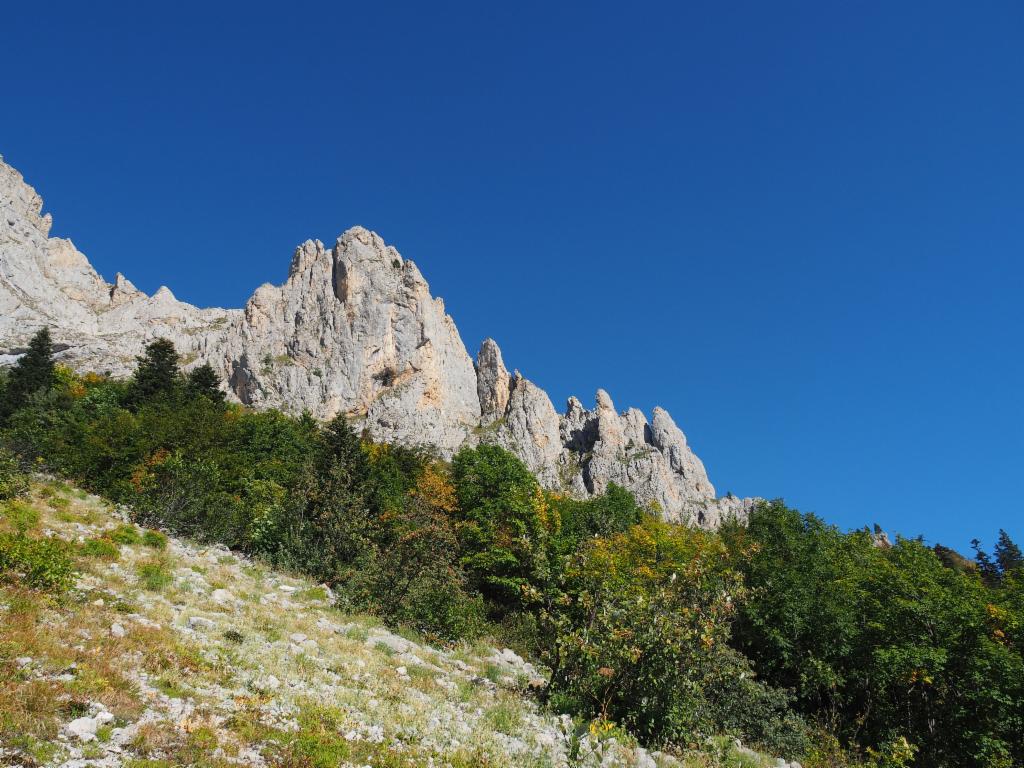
(353, 329)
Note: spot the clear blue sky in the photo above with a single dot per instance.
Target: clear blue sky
(797, 226)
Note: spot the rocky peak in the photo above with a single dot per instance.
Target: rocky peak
(493, 382)
(123, 291)
(353, 329)
(21, 207)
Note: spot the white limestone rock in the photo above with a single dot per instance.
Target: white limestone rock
(493, 382)
(354, 330)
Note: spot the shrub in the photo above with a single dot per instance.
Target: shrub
(642, 609)
(124, 534)
(20, 516)
(234, 636)
(189, 497)
(503, 525)
(154, 539)
(327, 526)
(641, 635)
(13, 482)
(104, 549)
(581, 519)
(898, 648)
(155, 575)
(40, 563)
(410, 573)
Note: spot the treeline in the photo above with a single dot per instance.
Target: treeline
(811, 643)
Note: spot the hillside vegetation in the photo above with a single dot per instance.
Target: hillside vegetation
(828, 648)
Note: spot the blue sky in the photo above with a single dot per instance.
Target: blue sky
(797, 226)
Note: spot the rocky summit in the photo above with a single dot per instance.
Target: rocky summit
(354, 330)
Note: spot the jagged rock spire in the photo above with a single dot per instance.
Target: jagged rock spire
(493, 382)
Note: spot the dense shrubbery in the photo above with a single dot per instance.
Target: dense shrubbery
(883, 644)
(642, 632)
(40, 563)
(786, 632)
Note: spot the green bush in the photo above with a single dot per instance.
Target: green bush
(409, 573)
(187, 496)
(504, 525)
(641, 638)
(154, 539)
(154, 575)
(13, 482)
(18, 515)
(124, 534)
(896, 647)
(39, 563)
(103, 549)
(580, 519)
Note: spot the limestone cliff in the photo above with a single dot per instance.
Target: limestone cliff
(354, 330)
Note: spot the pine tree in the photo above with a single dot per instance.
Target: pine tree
(344, 454)
(157, 374)
(33, 373)
(1008, 555)
(333, 528)
(203, 382)
(987, 569)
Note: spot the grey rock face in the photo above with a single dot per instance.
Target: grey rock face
(518, 415)
(582, 452)
(353, 330)
(492, 383)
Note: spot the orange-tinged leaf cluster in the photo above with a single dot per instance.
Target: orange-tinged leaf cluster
(435, 487)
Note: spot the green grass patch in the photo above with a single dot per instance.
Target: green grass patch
(124, 534)
(506, 716)
(155, 575)
(171, 688)
(20, 516)
(101, 549)
(154, 539)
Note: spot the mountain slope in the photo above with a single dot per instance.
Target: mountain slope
(354, 330)
(170, 653)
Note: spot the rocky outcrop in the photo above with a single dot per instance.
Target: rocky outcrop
(583, 451)
(355, 330)
(98, 326)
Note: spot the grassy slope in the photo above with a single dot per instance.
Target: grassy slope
(202, 657)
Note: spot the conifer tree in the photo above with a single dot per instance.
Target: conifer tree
(987, 569)
(33, 373)
(344, 455)
(157, 374)
(1007, 553)
(203, 382)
